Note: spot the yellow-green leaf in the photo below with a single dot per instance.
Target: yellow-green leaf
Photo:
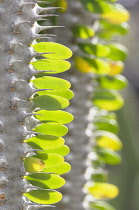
(33, 164)
(88, 65)
(45, 142)
(107, 139)
(57, 51)
(52, 66)
(59, 116)
(43, 196)
(49, 102)
(103, 190)
(52, 128)
(46, 181)
(109, 100)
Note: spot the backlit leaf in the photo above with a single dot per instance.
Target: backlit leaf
(63, 4)
(43, 196)
(59, 116)
(109, 100)
(58, 51)
(103, 190)
(101, 205)
(45, 142)
(95, 49)
(33, 164)
(100, 176)
(49, 102)
(67, 94)
(112, 82)
(52, 66)
(116, 67)
(82, 31)
(117, 15)
(96, 6)
(52, 83)
(88, 65)
(109, 30)
(52, 128)
(106, 124)
(118, 52)
(63, 151)
(50, 160)
(106, 139)
(60, 169)
(108, 156)
(46, 181)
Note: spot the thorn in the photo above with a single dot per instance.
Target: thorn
(43, 9)
(13, 44)
(33, 72)
(12, 62)
(37, 90)
(30, 151)
(47, 36)
(31, 132)
(34, 54)
(17, 25)
(23, 115)
(41, 28)
(42, 17)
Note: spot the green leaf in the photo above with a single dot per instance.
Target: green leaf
(52, 83)
(48, 102)
(63, 151)
(103, 190)
(110, 125)
(101, 205)
(46, 181)
(43, 196)
(33, 164)
(99, 176)
(58, 116)
(108, 156)
(117, 52)
(60, 169)
(117, 15)
(52, 66)
(87, 65)
(97, 6)
(107, 139)
(109, 30)
(68, 94)
(52, 128)
(109, 100)
(58, 51)
(99, 50)
(82, 31)
(50, 160)
(45, 142)
(117, 82)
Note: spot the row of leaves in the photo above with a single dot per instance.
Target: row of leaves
(103, 57)
(53, 94)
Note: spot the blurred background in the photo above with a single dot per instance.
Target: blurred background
(126, 175)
